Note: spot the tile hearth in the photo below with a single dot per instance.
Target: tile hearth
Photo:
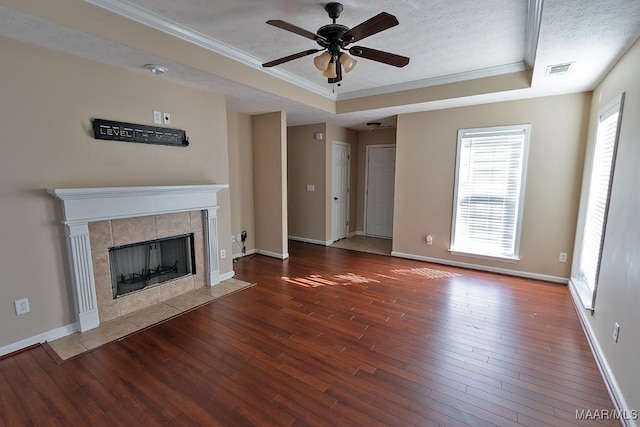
(78, 343)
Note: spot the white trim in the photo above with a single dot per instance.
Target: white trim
(240, 254)
(587, 295)
(437, 81)
(333, 187)
(516, 273)
(167, 26)
(534, 18)
(520, 129)
(83, 205)
(272, 254)
(360, 233)
(227, 276)
(487, 257)
(51, 335)
(603, 365)
(584, 293)
(160, 23)
(352, 233)
(314, 241)
(366, 183)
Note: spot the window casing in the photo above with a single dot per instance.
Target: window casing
(491, 168)
(593, 216)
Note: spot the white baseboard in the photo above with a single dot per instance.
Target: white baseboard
(51, 335)
(314, 241)
(359, 233)
(353, 233)
(240, 255)
(470, 266)
(227, 276)
(272, 254)
(605, 370)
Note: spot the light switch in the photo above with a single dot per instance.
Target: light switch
(157, 117)
(311, 187)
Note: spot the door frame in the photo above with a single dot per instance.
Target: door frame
(333, 184)
(366, 178)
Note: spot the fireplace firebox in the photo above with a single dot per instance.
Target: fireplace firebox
(141, 265)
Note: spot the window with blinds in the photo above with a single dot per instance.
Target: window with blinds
(489, 191)
(595, 217)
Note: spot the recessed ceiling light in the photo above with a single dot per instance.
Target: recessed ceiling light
(156, 69)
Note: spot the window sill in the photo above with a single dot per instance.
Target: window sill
(487, 257)
(585, 294)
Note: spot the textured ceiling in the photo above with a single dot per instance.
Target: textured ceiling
(447, 41)
(441, 37)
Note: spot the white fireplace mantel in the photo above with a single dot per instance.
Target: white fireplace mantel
(83, 205)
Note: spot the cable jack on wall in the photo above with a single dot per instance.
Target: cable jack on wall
(242, 242)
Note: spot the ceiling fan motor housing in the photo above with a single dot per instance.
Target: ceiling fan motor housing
(333, 35)
(334, 10)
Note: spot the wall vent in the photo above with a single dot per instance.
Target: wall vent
(558, 69)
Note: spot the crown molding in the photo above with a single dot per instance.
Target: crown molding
(155, 21)
(437, 81)
(534, 18)
(150, 19)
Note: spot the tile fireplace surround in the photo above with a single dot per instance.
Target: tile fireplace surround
(82, 206)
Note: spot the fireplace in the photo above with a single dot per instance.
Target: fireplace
(122, 216)
(145, 264)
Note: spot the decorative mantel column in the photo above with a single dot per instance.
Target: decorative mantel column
(79, 249)
(84, 205)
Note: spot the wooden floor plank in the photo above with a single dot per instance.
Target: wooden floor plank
(331, 337)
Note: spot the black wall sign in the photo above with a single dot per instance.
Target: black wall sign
(129, 132)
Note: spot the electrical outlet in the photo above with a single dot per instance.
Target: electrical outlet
(238, 237)
(22, 306)
(167, 118)
(563, 257)
(223, 253)
(429, 240)
(616, 332)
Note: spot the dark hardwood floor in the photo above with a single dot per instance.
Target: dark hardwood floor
(331, 337)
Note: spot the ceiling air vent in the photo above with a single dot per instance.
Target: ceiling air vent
(558, 69)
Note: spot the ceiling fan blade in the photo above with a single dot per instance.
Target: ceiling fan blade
(296, 30)
(380, 22)
(338, 77)
(290, 57)
(379, 56)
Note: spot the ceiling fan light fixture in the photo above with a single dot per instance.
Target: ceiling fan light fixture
(322, 61)
(330, 72)
(348, 63)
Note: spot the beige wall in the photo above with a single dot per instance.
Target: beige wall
(49, 100)
(338, 133)
(269, 134)
(366, 138)
(618, 296)
(241, 178)
(306, 165)
(426, 157)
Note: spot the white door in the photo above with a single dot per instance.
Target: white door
(340, 196)
(381, 172)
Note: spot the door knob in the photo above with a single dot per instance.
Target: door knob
(335, 198)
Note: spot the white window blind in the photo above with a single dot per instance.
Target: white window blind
(598, 196)
(490, 171)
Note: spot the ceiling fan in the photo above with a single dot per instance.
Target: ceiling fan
(334, 39)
